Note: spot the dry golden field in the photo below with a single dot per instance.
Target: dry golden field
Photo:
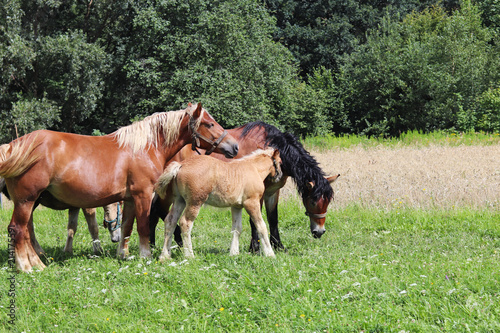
(418, 177)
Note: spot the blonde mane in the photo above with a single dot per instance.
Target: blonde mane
(147, 132)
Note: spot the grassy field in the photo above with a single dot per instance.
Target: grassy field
(386, 264)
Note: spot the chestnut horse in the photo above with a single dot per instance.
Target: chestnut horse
(206, 180)
(111, 215)
(311, 183)
(90, 171)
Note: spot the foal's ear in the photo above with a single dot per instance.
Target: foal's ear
(310, 185)
(331, 179)
(276, 154)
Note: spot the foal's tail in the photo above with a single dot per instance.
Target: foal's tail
(16, 157)
(165, 179)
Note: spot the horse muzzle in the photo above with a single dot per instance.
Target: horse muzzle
(230, 150)
(316, 230)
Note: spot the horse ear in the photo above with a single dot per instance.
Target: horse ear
(197, 112)
(189, 104)
(310, 185)
(276, 154)
(331, 179)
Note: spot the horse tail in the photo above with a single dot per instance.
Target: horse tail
(16, 157)
(165, 179)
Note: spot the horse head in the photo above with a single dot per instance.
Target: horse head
(316, 209)
(207, 134)
(112, 221)
(276, 172)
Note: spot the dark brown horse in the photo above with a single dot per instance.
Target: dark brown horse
(311, 182)
(93, 171)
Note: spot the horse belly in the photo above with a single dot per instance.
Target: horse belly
(221, 200)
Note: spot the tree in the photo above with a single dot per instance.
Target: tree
(419, 73)
(48, 75)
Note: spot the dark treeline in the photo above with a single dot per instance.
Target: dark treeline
(310, 67)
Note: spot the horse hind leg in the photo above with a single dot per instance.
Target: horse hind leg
(186, 224)
(90, 217)
(170, 224)
(236, 231)
(34, 242)
(72, 226)
(25, 256)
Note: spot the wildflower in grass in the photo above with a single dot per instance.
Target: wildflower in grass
(221, 309)
(302, 316)
(145, 273)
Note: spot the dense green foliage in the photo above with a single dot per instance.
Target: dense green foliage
(310, 67)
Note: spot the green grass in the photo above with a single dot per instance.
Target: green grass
(373, 271)
(413, 138)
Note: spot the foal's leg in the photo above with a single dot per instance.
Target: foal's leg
(170, 225)
(90, 216)
(236, 231)
(186, 224)
(72, 226)
(253, 209)
(271, 203)
(254, 242)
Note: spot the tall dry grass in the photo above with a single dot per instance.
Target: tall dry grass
(416, 177)
(430, 177)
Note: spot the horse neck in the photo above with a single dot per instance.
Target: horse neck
(263, 164)
(183, 139)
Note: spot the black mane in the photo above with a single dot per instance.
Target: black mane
(296, 161)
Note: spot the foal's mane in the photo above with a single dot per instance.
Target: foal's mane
(267, 152)
(296, 162)
(143, 133)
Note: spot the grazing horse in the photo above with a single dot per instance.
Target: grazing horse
(81, 171)
(112, 217)
(297, 163)
(203, 179)
(111, 214)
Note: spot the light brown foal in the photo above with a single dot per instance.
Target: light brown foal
(206, 180)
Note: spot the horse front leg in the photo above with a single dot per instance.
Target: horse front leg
(170, 224)
(236, 231)
(142, 208)
(126, 229)
(90, 217)
(25, 256)
(271, 204)
(253, 209)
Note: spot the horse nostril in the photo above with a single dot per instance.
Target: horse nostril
(318, 233)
